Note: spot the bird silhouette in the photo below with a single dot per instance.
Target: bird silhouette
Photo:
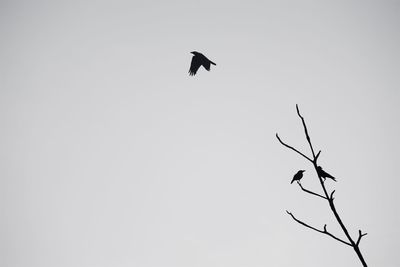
(324, 174)
(198, 60)
(297, 176)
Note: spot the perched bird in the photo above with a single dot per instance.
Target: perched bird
(198, 60)
(297, 176)
(324, 174)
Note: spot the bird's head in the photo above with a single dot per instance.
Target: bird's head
(302, 171)
(195, 53)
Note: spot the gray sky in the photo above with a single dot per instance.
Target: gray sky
(111, 155)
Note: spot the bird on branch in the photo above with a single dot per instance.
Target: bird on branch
(324, 174)
(198, 60)
(297, 176)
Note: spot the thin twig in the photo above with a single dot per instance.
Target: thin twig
(331, 196)
(292, 148)
(316, 157)
(310, 192)
(360, 235)
(306, 132)
(320, 231)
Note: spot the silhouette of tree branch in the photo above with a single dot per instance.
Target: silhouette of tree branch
(360, 235)
(331, 196)
(309, 191)
(328, 197)
(317, 156)
(292, 148)
(305, 131)
(315, 229)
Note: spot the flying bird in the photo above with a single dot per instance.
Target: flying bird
(297, 176)
(324, 174)
(198, 60)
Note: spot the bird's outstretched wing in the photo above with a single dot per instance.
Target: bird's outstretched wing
(195, 65)
(207, 63)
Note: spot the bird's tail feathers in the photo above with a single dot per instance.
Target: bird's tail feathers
(213, 63)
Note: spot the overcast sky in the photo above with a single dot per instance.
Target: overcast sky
(112, 155)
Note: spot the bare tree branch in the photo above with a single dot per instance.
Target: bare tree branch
(292, 148)
(317, 156)
(329, 197)
(309, 191)
(320, 231)
(360, 235)
(305, 131)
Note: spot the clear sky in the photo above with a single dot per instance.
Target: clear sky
(112, 155)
